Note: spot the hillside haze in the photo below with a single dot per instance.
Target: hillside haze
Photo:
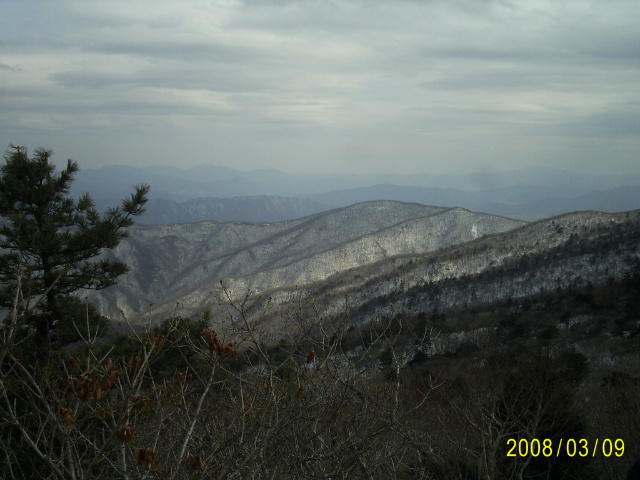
(224, 194)
(261, 208)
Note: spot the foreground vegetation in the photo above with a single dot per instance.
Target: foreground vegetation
(434, 396)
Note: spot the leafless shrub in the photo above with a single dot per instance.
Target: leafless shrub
(249, 404)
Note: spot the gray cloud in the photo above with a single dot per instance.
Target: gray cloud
(335, 85)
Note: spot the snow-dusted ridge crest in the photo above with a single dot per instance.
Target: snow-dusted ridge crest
(185, 262)
(571, 250)
(367, 252)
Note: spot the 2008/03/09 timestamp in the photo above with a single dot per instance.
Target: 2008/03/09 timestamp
(571, 447)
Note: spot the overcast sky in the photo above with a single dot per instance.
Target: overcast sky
(383, 86)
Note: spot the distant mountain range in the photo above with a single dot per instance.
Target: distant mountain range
(371, 238)
(225, 194)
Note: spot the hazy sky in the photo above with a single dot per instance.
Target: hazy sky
(383, 86)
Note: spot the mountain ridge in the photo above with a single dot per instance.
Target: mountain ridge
(167, 259)
(591, 251)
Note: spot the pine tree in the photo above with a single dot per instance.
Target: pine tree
(52, 241)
